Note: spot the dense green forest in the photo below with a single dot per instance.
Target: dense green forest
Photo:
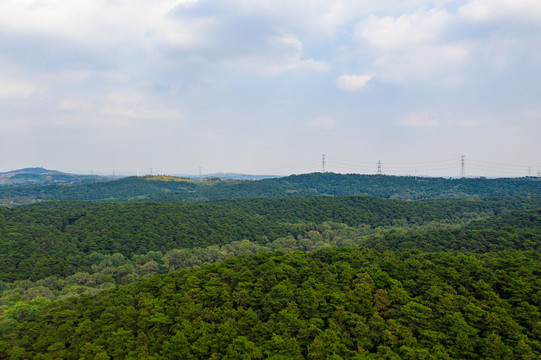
(272, 269)
(329, 304)
(57, 238)
(97, 271)
(183, 190)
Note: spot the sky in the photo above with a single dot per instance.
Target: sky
(268, 87)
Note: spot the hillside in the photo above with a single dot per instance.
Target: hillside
(41, 176)
(58, 238)
(258, 271)
(330, 304)
(137, 189)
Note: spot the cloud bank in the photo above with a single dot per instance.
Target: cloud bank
(161, 73)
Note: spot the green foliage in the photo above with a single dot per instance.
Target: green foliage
(178, 281)
(163, 189)
(62, 238)
(329, 304)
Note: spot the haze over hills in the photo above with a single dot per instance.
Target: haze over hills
(175, 189)
(235, 176)
(40, 176)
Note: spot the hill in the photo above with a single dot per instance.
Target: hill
(59, 238)
(41, 176)
(78, 279)
(137, 189)
(235, 176)
(330, 304)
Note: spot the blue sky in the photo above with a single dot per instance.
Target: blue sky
(266, 87)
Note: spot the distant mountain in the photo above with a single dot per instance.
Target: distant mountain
(175, 189)
(29, 171)
(40, 176)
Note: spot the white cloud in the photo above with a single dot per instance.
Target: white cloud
(209, 135)
(73, 104)
(314, 65)
(237, 33)
(125, 97)
(141, 112)
(69, 76)
(419, 121)
(277, 55)
(434, 62)
(532, 114)
(487, 10)
(412, 48)
(126, 63)
(87, 21)
(323, 123)
(504, 33)
(132, 104)
(284, 55)
(388, 32)
(319, 19)
(11, 89)
(353, 82)
(121, 105)
(186, 33)
(6, 125)
(464, 123)
(445, 120)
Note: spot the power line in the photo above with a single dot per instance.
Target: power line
(515, 172)
(445, 167)
(421, 162)
(352, 162)
(400, 167)
(294, 166)
(515, 165)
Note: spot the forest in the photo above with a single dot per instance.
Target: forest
(57, 238)
(348, 303)
(340, 276)
(170, 189)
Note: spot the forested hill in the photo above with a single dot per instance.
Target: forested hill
(58, 238)
(161, 188)
(380, 278)
(330, 304)
(41, 176)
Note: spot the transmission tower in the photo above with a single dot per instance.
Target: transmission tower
(462, 172)
(379, 167)
(200, 173)
(322, 162)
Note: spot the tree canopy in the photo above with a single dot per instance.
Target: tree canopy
(332, 303)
